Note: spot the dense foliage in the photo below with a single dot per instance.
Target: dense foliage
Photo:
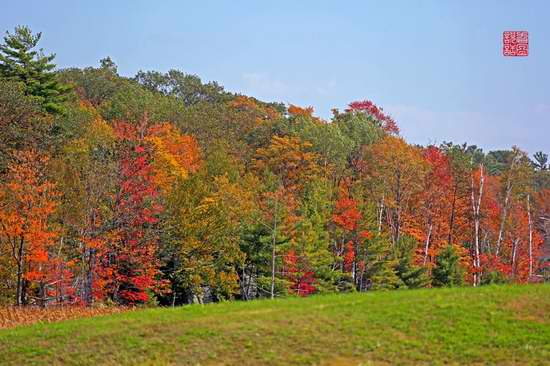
(164, 189)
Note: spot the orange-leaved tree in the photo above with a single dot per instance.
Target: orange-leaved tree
(28, 201)
(395, 172)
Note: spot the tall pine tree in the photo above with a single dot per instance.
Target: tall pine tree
(20, 61)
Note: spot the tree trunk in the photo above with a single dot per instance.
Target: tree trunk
(381, 211)
(530, 236)
(506, 204)
(42, 294)
(273, 253)
(452, 219)
(88, 282)
(476, 205)
(428, 238)
(504, 215)
(20, 292)
(273, 270)
(515, 246)
(398, 202)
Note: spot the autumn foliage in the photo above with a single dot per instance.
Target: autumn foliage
(370, 109)
(163, 189)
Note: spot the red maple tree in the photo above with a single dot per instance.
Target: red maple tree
(366, 106)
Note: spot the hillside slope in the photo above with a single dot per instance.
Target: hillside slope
(489, 325)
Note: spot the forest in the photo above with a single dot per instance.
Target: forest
(162, 189)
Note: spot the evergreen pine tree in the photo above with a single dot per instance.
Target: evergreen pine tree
(541, 160)
(19, 61)
(412, 276)
(448, 272)
(379, 273)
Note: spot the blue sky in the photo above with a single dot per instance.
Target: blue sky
(435, 66)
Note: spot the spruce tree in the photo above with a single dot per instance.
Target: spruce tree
(20, 61)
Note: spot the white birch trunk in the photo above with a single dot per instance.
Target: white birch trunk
(427, 245)
(530, 236)
(476, 205)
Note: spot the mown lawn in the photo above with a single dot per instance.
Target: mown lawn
(504, 325)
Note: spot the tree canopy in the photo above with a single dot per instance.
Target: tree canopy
(164, 189)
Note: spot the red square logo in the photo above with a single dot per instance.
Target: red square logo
(515, 43)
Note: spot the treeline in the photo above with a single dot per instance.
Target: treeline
(164, 189)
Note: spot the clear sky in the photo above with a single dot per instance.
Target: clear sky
(435, 66)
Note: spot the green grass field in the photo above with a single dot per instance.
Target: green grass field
(506, 325)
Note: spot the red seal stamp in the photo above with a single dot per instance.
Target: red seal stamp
(515, 43)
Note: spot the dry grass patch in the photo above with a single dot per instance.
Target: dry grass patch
(529, 307)
(12, 316)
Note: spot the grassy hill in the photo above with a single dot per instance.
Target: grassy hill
(490, 325)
